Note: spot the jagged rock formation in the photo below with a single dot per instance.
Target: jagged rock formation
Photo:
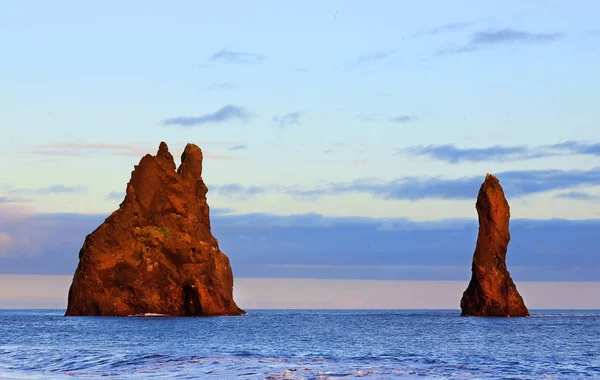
(491, 292)
(156, 253)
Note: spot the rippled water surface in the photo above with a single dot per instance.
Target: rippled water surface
(312, 344)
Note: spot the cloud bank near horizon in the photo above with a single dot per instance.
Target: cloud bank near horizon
(316, 246)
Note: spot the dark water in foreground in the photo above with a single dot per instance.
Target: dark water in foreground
(290, 344)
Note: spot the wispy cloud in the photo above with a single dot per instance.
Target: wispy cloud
(490, 37)
(457, 50)
(115, 195)
(5, 243)
(516, 184)
(86, 149)
(446, 28)
(452, 154)
(503, 36)
(231, 56)
(383, 54)
(216, 211)
(374, 56)
(222, 157)
(239, 147)
(226, 113)
(14, 200)
(54, 189)
(302, 70)
(10, 212)
(292, 118)
(219, 86)
(334, 146)
(327, 161)
(238, 191)
(403, 119)
(362, 161)
(580, 196)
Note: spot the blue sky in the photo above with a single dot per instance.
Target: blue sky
(392, 111)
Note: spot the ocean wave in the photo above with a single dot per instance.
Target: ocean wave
(290, 345)
(162, 366)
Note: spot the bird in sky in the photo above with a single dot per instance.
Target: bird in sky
(335, 15)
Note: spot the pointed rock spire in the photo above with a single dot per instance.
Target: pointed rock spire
(492, 291)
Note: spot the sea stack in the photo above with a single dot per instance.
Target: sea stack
(491, 292)
(156, 253)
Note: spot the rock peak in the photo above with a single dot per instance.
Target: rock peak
(163, 146)
(490, 177)
(191, 162)
(190, 149)
(492, 291)
(156, 253)
(492, 204)
(164, 156)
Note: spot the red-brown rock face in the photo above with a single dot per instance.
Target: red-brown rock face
(491, 292)
(156, 253)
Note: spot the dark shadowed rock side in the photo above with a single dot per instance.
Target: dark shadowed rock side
(156, 253)
(491, 292)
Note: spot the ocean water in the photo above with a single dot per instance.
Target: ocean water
(301, 344)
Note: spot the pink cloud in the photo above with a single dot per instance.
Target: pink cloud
(84, 149)
(5, 244)
(125, 150)
(12, 212)
(324, 161)
(356, 162)
(219, 157)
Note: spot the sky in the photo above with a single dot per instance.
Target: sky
(348, 147)
(47, 292)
